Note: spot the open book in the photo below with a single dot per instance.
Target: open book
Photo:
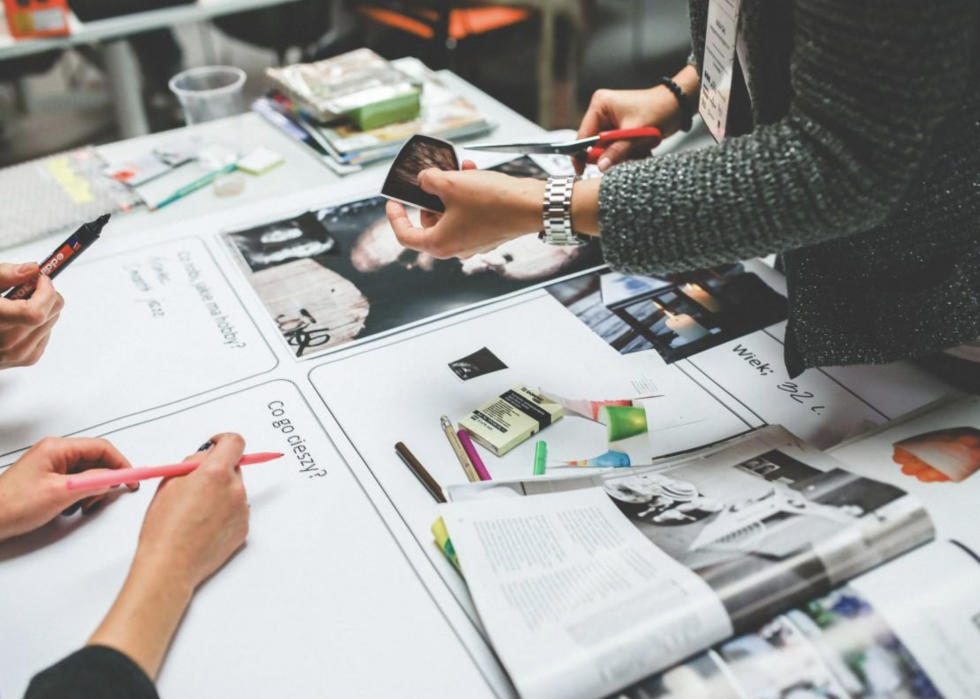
(741, 570)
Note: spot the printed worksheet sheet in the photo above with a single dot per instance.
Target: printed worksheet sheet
(316, 599)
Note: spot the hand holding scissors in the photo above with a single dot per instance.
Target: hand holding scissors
(591, 148)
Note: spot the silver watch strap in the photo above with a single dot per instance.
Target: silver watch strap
(558, 213)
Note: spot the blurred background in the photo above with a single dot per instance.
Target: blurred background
(55, 100)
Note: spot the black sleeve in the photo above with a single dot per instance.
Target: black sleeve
(94, 672)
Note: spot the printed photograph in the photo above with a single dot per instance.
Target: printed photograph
(420, 153)
(769, 519)
(338, 275)
(678, 316)
(480, 363)
(867, 658)
(700, 678)
(836, 647)
(778, 662)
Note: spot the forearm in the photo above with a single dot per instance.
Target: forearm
(837, 164)
(145, 615)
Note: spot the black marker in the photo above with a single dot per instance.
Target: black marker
(77, 243)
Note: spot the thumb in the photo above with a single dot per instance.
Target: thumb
(432, 181)
(12, 275)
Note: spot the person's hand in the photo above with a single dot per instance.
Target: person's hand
(25, 326)
(33, 491)
(197, 521)
(628, 109)
(483, 210)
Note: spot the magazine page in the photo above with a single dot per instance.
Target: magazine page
(765, 520)
(879, 637)
(934, 453)
(576, 601)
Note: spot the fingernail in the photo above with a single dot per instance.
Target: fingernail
(207, 445)
(604, 164)
(25, 268)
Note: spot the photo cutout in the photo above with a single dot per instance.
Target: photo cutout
(941, 456)
(418, 154)
(480, 363)
(678, 316)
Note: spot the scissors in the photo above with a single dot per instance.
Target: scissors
(592, 148)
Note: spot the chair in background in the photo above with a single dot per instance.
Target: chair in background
(445, 23)
(441, 24)
(298, 25)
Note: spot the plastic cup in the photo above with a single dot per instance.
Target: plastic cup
(209, 93)
(206, 94)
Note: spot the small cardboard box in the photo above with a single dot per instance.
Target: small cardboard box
(506, 421)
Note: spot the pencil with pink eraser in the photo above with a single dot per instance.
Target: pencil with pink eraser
(92, 481)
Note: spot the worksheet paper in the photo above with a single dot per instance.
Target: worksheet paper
(396, 390)
(141, 329)
(319, 602)
(560, 578)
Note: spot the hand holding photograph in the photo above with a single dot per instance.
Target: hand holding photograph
(420, 153)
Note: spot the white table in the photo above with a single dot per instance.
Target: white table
(121, 67)
(300, 169)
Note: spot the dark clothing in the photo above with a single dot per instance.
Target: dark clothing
(862, 167)
(94, 672)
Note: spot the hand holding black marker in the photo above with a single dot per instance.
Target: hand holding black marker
(77, 243)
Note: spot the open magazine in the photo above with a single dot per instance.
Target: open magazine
(596, 582)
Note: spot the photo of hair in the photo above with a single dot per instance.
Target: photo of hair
(420, 153)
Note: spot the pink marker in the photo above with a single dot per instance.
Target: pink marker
(92, 481)
(481, 470)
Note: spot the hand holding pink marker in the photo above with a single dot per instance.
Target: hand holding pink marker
(93, 481)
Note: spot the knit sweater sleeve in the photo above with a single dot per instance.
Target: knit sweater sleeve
(872, 81)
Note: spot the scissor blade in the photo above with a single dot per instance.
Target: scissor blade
(517, 147)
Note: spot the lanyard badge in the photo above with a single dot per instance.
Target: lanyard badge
(718, 65)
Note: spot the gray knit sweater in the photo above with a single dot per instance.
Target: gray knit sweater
(863, 167)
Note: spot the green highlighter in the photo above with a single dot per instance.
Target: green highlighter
(540, 458)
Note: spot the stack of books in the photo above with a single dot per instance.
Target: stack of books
(344, 111)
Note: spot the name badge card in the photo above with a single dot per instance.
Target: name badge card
(718, 65)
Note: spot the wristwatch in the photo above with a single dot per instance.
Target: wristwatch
(558, 213)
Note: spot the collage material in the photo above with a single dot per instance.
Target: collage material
(198, 336)
(338, 274)
(765, 522)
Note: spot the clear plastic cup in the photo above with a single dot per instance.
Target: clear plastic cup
(209, 93)
(206, 94)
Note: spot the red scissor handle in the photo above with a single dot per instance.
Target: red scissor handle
(606, 138)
